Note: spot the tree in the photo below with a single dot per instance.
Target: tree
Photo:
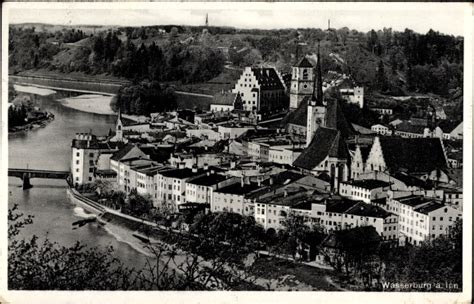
(35, 265)
(380, 78)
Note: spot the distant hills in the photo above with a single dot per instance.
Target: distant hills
(384, 61)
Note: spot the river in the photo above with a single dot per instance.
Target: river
(50, 148)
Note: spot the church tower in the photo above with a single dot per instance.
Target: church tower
(119, 127)
(302, 77)
(316, 106)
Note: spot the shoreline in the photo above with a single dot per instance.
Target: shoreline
(31, 126)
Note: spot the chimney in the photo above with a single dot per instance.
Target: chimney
(232, 164)
(285, 193)
(181, 165)
(206, 166)
(271, 180)
(195, 169)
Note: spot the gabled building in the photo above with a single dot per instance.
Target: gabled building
(412, 155)
(126, 152)
(422, 218)
(86, 157)
(261, 90)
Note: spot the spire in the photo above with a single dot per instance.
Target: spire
(207, 20)
(318, 83)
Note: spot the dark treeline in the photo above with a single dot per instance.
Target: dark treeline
(431, 62)
(385, 61)
(111, 53)
(144, 98)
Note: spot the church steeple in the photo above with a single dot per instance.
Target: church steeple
(119, 127)
(317, 97)
(316, 116)
(207, 20)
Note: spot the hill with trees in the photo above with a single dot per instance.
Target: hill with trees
(384, 61)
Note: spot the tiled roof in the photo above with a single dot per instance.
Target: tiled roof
(268, 78)
(413, 154)
(299, 115)
(335, 119)
(448, 125)
(304, 63)
(369, 184)
(339, 205)
(207, 180)
(410, 128)
(410, 180)
(237, 189)
(326, 142)
(181, 173)
(431, 206)
(96, 145)
(363, 209)
(122, 152)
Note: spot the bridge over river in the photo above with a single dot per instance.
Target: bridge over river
(26, 174)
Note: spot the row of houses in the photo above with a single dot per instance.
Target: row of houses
(410, 129)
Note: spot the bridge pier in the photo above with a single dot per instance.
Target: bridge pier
(26, 181)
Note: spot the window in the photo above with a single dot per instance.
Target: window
(91, 170)
(77, 162)
(77, 178)
(77, 170)
(78, 154)
(90, 178)
(91, 154)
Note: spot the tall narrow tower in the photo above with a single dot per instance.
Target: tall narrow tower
(302, 77)
(316, 107)
(207, 20)
(119, 127)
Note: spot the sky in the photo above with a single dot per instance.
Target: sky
(420, 17)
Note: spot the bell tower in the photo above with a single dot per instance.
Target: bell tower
(316, 106)
(302, 78)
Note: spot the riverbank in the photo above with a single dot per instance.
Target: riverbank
(284, 275)
(41, 123)
(91, 103)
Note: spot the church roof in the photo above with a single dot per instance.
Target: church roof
(299, 115)
(123, 152)
(413, 154)
(268, 78)
(304, 63)
(326, 142)
(335, 119)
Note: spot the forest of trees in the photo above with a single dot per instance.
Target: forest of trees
(106, 53)
(144, 98)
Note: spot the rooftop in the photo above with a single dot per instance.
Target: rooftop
(238, 189)
(368, 210)
(268, 78)
(208, 179)
(369, 183)
(182, 173)
(427, 208)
